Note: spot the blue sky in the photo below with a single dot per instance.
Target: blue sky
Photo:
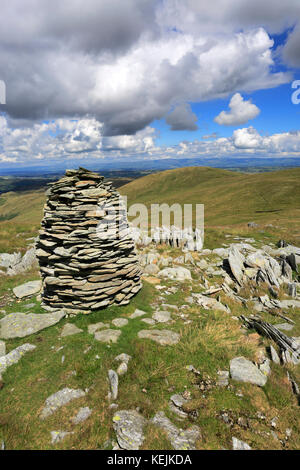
(148, 79)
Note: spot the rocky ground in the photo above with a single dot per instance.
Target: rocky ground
(206, 356)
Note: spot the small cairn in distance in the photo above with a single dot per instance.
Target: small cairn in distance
(85, 252)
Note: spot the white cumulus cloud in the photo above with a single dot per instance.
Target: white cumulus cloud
(241, 111)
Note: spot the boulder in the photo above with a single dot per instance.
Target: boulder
(243, 370)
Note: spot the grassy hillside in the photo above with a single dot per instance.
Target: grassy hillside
(231, 200)
(20, 218)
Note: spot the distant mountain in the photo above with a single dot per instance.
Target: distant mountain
(251, 164)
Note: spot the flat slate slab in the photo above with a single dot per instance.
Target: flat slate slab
(59, 399)
(70, 329)
(162, 337)
(119, 322)
(243, 370)
(97, 326)
(18, 325)
(137, 313)
(27, 289)
(161, 316)
(108, 336)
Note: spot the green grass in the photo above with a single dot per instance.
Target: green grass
(155, 372)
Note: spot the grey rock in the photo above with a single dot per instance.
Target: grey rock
(243, 370)
(82, 415)
(59, 399)
(108, 336)
(210, 303)
(284, 326)
(176, 274)
(2, 348)
(239, 445)
(274, 355)
(27, 289)
(70, 329)
(57, 436)
(149, 321)
(97, 326)
(27, 262)
(161, 316)
(113, 383)
(122, 369)
(151, 269)
(14, 356)
(119, 322)
(123, 358)
(137, 313)
(129, 428)
(162, 337)
(265, 368)
(223, 378)
(180, 440)
(8, 260)
(236, 262)
(18, 325)
(176, 403)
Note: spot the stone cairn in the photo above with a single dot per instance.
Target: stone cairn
(86, 254)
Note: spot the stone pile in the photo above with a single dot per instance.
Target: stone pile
(86, 255)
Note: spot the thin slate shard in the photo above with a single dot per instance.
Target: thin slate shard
(86, 255)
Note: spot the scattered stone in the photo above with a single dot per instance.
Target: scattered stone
(123, 358)
(239, 445)
(137, 313)
(236, 263)
(2, 348)
(97, 326)
(82, 415)
(274, 355)
(176, 404)
(108, 336)
(18, 325)
(122, 369)
(57, 436)
(180, 440)
(119, 322)
(162, 337)
(161, 316)
(113, 383)
(59, 399)
(265, 368)
(129, 429)
(243, 370)
(284, 326)
(149, 321)
(70, 329)
(223, 378)
(151, 269)
(177, 274)
(14, 356)
(27, 289)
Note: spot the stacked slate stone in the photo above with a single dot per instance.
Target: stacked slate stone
(86, 255)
